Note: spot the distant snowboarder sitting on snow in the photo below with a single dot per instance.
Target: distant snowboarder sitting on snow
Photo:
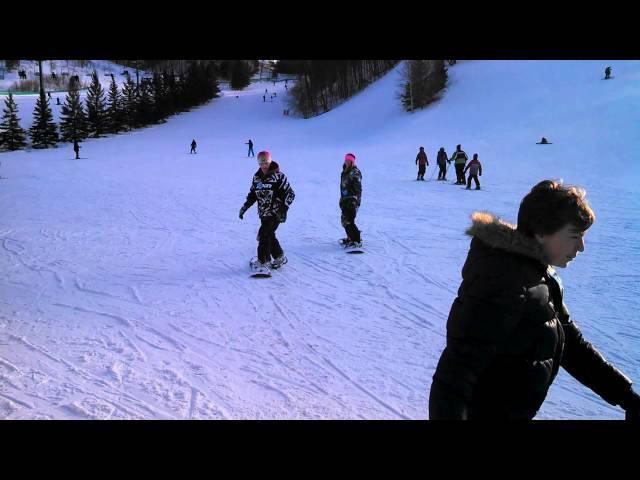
(544, 141)
(474, 168)
(459, 161)
(607, 73)
(193, 146)
(350, 197)
(76, 148)
(442, 164)
(250, 153)
(422, 162)
(271, 189)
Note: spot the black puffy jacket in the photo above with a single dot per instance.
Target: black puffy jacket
(272, 191)
(508, 333)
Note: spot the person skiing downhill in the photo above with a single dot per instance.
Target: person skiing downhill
(76, 148)
(509, 330)
(350, 198)
(271, 189)
(193, 146)
(422, 162)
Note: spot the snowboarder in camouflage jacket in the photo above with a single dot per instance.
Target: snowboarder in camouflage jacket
(271, 189)
(350, 197)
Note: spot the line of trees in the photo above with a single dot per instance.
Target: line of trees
(421, 82)
(323, 84)
(114, 111)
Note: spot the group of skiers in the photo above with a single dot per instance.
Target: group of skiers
(459, 159)
(271, 189)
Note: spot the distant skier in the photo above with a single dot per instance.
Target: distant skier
(76, 148)
(193, 146)
(271, 189)
(459, 160)
(543, 141)
(475, 169)
(350, 197)
(442, 164)
(250, 153)
(607, 73)
(422, 162)
(58, 101)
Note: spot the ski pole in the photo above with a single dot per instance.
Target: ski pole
(432, 173)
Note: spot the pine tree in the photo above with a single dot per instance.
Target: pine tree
(114, 108)
(73, 120)
(144, 113)
(239, 74)
(423, 80)
(12, 136)
(96, 110)
(213, 89)
(43, 131)
(129, 103)
(159, 97)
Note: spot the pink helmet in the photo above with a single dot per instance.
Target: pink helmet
(351, 158)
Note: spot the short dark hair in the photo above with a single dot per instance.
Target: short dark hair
(550, 205)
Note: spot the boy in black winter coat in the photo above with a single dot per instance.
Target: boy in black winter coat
(509, 330)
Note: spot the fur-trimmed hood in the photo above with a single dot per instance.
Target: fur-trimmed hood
(500, 234)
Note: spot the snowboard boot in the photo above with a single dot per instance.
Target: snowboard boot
(279, 261)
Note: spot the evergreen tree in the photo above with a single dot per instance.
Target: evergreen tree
(172, 92)
(144, 112)
(114, 108)
(129, 103)
(43, 131)
(159, 97)
(12, 136)
(96, 108)
(423, 79)
(239, 74)
(212, 86)
(73, 120)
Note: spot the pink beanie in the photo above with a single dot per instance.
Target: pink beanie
(351, 158)
(264, 154)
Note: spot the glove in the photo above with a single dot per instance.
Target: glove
(242, 210)
(631, 406)
(480, 174)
